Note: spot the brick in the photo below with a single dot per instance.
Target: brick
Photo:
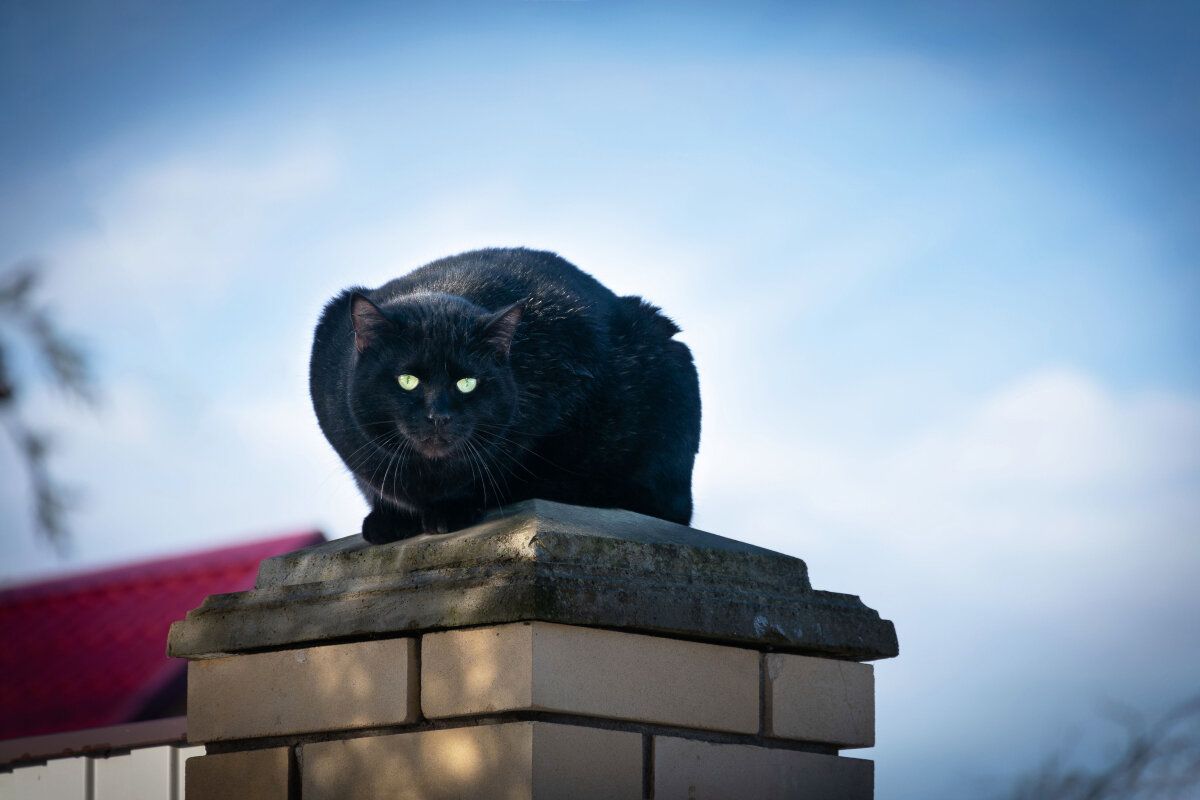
(477, 671)
(250, 775)
(577, 670)
(687, 768)
(333, 687)
(820, 700)
(511, 761)
(585, 763)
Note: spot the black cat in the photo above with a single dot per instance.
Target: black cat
(500, 375)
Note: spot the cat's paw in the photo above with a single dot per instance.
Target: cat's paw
(381, 527)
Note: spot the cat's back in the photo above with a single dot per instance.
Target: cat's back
(496, 277)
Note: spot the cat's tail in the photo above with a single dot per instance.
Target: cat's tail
(648, 317)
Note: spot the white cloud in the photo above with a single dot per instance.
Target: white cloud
(1052, 433)
(179, 232)
(1038, 546)
(1058, 428)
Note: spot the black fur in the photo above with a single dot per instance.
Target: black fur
(582, 396)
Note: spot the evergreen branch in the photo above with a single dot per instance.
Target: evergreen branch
(52, 501)
(66, 361)
(68, 368)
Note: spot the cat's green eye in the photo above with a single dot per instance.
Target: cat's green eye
(408, 382)
(467, 385)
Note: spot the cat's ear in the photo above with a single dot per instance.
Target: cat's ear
(369, 321)
(498, 328)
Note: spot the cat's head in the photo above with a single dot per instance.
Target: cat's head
(432, 371)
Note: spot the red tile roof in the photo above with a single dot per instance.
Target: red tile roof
(90, 649)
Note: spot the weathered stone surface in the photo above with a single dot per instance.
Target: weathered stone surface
(539, 560)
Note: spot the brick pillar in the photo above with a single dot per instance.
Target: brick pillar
(552, 651)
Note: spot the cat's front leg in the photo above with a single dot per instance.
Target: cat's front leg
(385, 525)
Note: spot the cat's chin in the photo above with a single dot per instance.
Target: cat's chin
(438, 447)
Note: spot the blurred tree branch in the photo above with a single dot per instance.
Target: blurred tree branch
(68, 369)
(1160, 760)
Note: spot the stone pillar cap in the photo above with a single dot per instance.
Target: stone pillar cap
(540, 560)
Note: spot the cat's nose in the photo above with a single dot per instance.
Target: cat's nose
(439, 419)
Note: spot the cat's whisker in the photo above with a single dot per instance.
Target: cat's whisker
(385, 463)
(372, 448)
(528, 451)
(487, 478)
(477, 476)
(504, 461)
(493, 456)
(485, 470)
(486, 456)
(399, 458)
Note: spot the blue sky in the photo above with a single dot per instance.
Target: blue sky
(937, 266)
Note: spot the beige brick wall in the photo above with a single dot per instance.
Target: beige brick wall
(579, 670)
(252, 775)
(511, 761)
(619, 679)
(689, 769)
(820, 700)
(304, 690)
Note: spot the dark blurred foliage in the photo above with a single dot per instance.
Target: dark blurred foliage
(25, 323)
(1158, 760)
